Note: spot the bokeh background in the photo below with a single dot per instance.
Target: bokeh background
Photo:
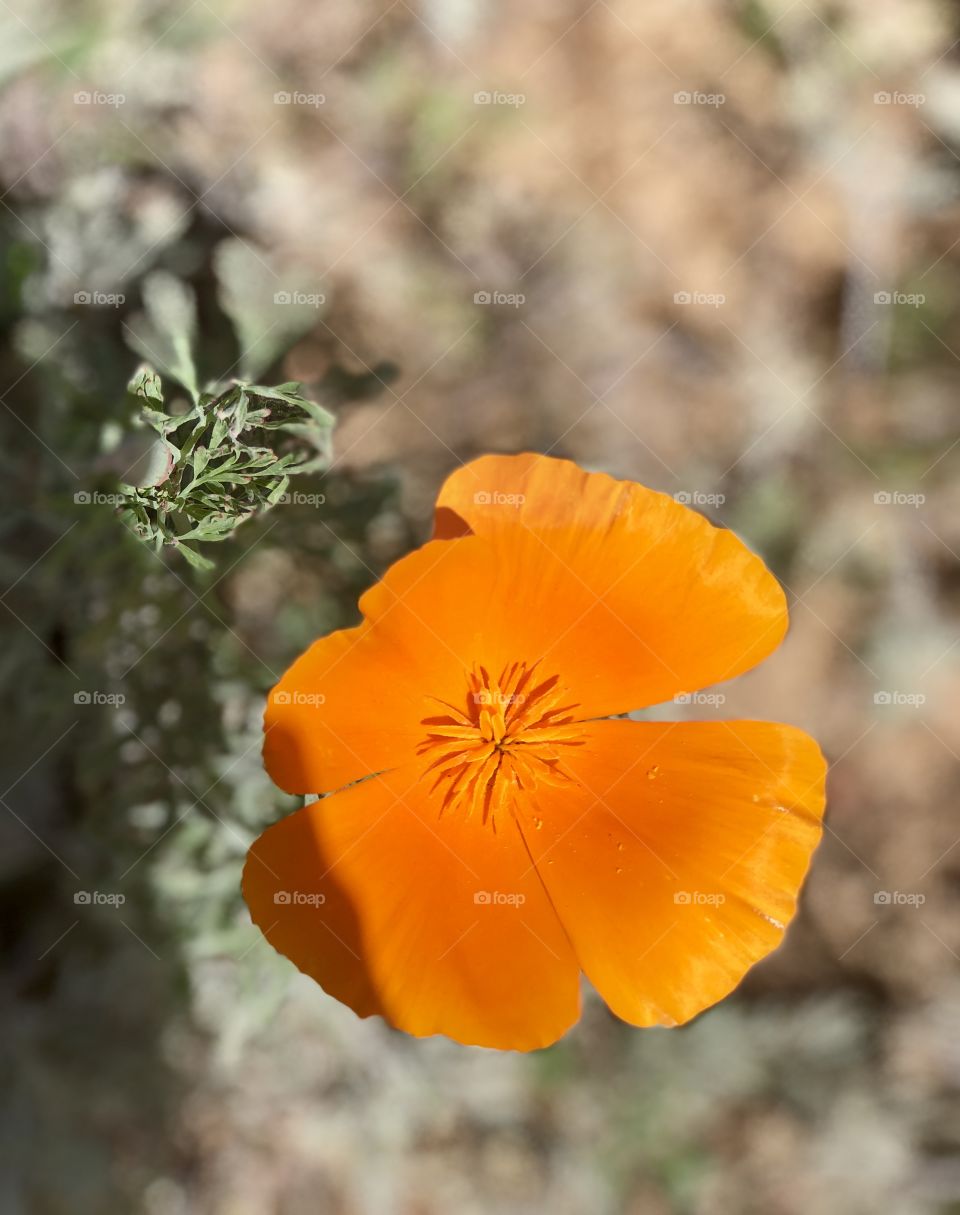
(711, 246)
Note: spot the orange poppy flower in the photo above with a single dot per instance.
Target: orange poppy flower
(491, 833)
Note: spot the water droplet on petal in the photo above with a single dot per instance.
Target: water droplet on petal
(654, 772)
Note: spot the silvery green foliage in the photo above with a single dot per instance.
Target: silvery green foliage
(246, 292)
(224, 460)
(228, 458)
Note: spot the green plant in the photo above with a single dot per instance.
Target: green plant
(229, 458)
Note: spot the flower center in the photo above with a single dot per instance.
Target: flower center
(508, 736)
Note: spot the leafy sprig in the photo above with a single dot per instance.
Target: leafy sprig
(230, 453)
(228, 458)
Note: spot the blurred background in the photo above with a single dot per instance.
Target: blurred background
(711, 246)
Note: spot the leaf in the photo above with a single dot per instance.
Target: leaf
(145, 383)
(194, 558)
(323, 417)
(163, 333)
(267, 320)
(239, 422)
(278, 491)
(154, 466)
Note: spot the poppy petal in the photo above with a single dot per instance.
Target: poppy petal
(494, 492)
(439, 923)
(319, 732)
(634, 596)
(352, 704)
(675, 859)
